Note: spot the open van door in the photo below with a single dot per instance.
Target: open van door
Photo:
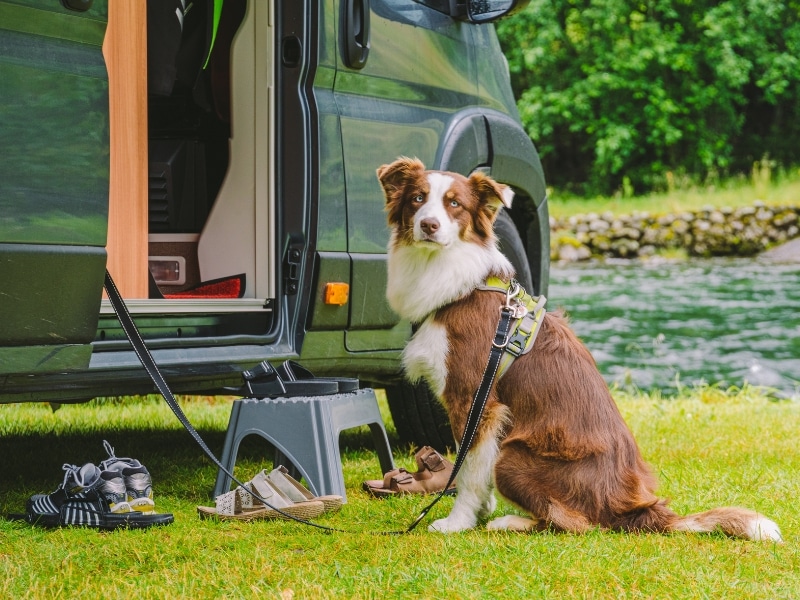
(54, 176)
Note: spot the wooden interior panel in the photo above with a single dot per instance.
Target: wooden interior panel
(125, 52)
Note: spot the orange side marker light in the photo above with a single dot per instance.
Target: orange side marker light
(337, 293)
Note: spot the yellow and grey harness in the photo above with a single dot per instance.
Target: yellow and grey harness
(528, 314)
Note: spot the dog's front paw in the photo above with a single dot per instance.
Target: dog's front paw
(451, 525)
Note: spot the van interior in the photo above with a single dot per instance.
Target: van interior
(190, 216)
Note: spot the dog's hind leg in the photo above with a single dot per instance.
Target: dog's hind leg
(515, 523)
(558, 519)
(524, 482)
(562, 518)
(475, 498)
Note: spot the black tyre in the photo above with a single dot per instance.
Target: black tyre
(418, 416)
(511, 245)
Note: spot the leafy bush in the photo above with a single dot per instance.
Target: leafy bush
(617, 93)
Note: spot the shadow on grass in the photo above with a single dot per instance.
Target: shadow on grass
(32, 462)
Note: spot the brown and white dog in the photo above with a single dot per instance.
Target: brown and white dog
(551, 440)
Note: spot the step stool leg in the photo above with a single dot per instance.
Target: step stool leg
(382, 446)
(229, 451)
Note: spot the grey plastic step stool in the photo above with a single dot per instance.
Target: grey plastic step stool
(305, 430)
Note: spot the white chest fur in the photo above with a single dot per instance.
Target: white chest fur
(422, 279)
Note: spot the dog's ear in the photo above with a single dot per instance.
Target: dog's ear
(393, 177)
(492, 195)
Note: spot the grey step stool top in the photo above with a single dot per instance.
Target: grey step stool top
(305, 431)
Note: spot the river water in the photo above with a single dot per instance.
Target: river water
(660, 324)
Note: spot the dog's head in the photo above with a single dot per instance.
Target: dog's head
(438, 208)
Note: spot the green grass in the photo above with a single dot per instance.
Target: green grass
(709, 448)
(763, 185)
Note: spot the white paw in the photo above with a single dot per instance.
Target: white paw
(451, 525)
(511, 523)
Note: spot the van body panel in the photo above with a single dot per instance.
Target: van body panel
(265, 165)
(53, 184)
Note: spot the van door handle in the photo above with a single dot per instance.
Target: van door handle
(355, 32)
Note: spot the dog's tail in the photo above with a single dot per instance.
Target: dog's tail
(735, 522)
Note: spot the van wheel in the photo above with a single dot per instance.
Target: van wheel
(511, 245)
(418, 416)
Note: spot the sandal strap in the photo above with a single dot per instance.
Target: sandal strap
(242, 498)
(430, 459)
(396, 477)
(229, 503)
(432, 475)
(261, 485)
(293, 489)
(423, 482)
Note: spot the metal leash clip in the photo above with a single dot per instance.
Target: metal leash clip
(517, 308)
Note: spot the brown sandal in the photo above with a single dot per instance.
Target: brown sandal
(433, 473)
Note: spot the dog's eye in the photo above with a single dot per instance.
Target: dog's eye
(454, 203)
(419, 199)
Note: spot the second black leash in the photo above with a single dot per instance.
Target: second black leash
(149, 364)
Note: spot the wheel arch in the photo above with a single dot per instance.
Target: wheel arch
(481, 139)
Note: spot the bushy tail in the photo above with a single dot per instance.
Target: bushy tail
(735, 522)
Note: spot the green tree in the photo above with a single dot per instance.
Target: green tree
(615, 91)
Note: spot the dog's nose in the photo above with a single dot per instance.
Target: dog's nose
(429, 226)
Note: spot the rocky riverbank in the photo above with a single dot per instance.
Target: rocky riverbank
(707, 232)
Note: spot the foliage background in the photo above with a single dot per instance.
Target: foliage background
(632, 96)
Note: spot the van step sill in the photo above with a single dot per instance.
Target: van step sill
(142, 307)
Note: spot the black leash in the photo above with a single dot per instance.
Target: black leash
(507, 314)
(478, 402)
(135, 338)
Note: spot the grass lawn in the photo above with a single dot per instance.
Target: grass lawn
(783, 190)
(709, 449)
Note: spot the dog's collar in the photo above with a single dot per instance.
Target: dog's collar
(528, 312)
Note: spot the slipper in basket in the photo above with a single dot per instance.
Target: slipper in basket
(433, 473)
(241, 505)
(296, 492)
